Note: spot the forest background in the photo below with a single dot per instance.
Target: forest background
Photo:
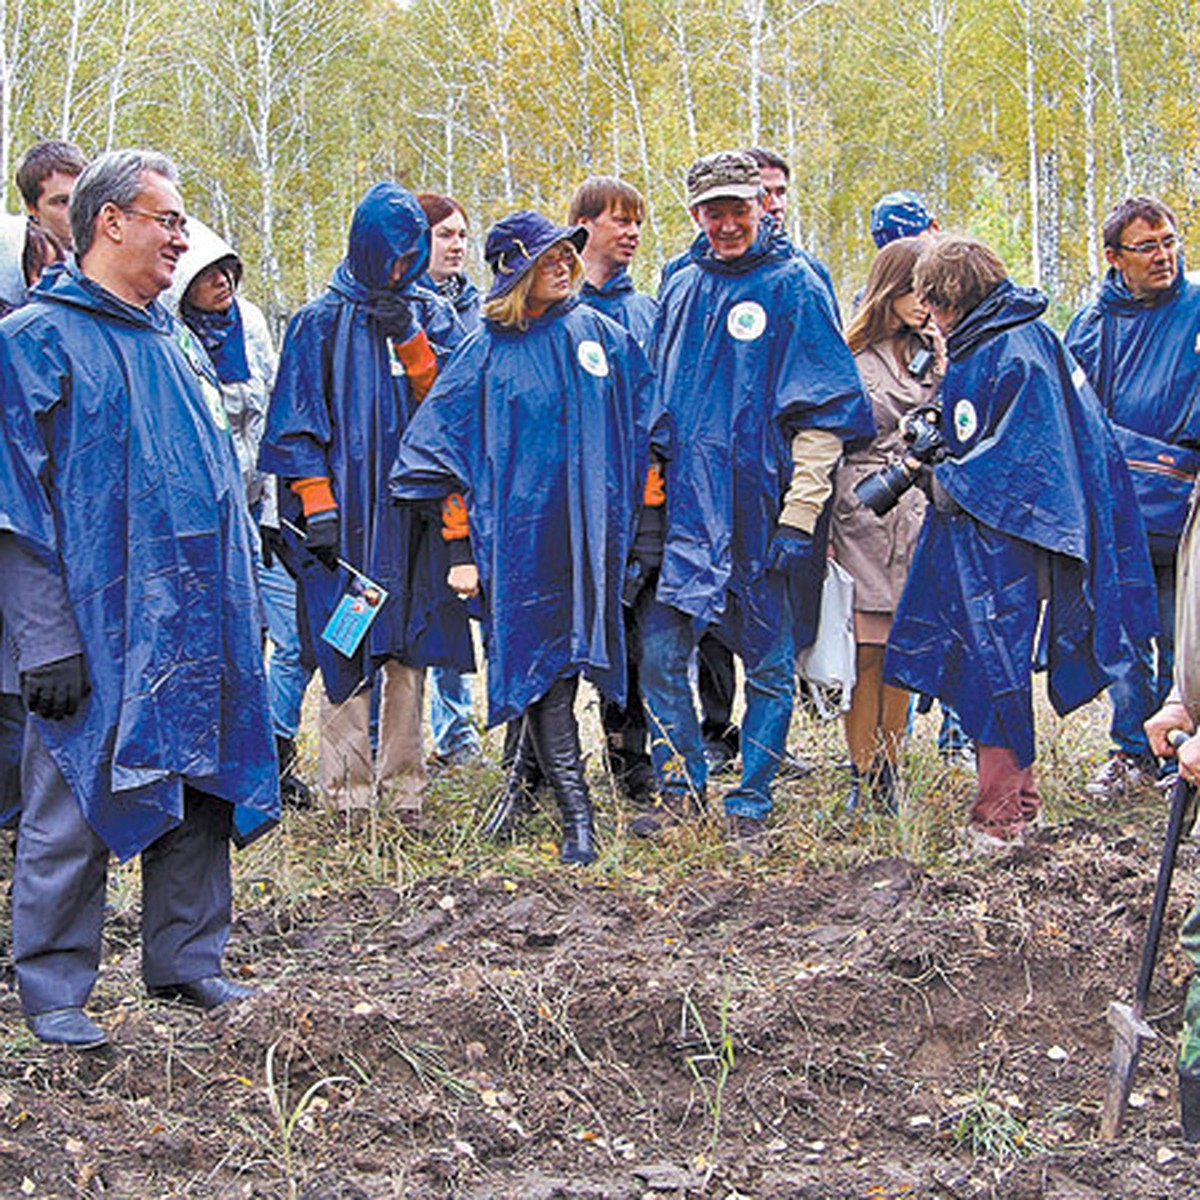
(1018, 120)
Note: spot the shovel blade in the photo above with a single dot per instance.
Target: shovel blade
(1129, 1032)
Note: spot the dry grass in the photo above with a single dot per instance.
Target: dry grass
(318, 852)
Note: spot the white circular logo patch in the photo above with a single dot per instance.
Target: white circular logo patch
(746, 321)
(965, 420)
(592, 359)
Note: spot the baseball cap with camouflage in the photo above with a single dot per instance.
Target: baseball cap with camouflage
(727, 174)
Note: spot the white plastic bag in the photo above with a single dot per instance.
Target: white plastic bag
(829, 663)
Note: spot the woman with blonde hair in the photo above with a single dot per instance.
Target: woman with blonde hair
(535, 440)
(900, 364)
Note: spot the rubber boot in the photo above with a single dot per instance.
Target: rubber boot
(555, 735)
(516, 801)
(293, 792)
(1189, 1105)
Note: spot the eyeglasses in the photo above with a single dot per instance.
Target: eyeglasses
(1150, 246)
(561, 256)
(174, 223)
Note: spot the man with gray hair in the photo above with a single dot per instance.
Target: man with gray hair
(131, 608)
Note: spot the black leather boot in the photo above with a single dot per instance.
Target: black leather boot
(1189, 1105)
(293, 792)
(555, 734)
(516, 801)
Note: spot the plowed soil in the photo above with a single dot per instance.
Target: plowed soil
(872, 1032)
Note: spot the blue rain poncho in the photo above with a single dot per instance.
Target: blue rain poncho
(118, 472)
(1144, 362)
(620, 301)
(1048, 508)
(747, 354)
(544, 432)
(340, 404)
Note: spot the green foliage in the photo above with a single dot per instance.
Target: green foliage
(282, 112)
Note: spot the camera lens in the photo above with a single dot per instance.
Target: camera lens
(881, 491)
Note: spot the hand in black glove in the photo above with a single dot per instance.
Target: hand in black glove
(790, 548)
(394, 316)
(55, 689)
(273, 545)
(323, 538)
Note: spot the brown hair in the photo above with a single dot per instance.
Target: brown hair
(512, 309)
(598, 193)
(891, 277)
(42, 249)
(437, 207)
(957, 272)
(1148, 208)
(40, 161)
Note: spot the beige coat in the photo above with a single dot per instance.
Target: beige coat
(875, 550)
(1187, 612)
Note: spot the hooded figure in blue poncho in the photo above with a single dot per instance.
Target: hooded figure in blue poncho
(131, 599)
(1137, 342)
(760, 392)
(354, 366)
(540, 420)
(1032, 504)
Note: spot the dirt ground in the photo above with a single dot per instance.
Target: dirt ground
(873, 1032)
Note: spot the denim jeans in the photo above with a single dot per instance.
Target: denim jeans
(676, 749)
(450, 712)
(1143, 685)
(287, 677)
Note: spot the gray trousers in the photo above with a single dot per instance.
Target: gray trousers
(58, 891)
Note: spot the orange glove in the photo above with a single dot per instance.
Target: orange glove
(455, 526)
(315, 494)
(420, 365)
(655, 493)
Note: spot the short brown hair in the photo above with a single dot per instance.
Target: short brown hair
(40, 161)
(598, 193)
(1146, 208)
(957, 272)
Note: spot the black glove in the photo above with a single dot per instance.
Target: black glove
(55, 689)
(273, 543)
(323, 538)
(394, 317)
(790, 548)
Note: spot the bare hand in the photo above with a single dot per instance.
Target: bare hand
(1172, 715)
(464, 580)
(1189, 760)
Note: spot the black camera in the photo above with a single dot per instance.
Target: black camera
(881, 491)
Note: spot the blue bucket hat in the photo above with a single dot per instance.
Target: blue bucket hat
(516, 242)
(898, 215)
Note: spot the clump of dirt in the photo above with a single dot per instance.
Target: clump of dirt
(875, 1032)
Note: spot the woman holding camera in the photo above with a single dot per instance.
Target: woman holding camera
(900, 364)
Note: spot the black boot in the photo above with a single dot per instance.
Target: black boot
(1189, 1104)
(516, 801)
(854, 796)
(883, 786)
(555, 735)
(293, 792)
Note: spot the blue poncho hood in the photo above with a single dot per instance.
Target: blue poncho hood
(111, 409)
(620, 301)
(1045, 494)
(340, 404)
